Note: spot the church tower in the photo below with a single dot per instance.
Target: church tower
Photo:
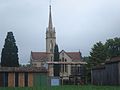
(50, 35)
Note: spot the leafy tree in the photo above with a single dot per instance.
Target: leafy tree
(98, 54)
(56, 59)
(113, 47)
(9, 55)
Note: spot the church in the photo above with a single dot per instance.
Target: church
(70, 62)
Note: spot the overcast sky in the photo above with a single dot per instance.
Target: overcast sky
(79, 23)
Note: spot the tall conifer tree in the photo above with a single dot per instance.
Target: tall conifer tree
(9, 55)
(56, 59)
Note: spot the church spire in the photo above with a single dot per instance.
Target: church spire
(50, 34)
(50, 25)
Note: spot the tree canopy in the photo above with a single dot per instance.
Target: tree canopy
(113, 47)
(9, 55)
(100, 52)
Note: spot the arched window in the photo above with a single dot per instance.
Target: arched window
(62, 65)
(51, 58)
(66, 68)
(51, 46)
(65, 60)
(62, 59)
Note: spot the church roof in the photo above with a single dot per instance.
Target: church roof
(75, 56)
(42, 56)
(39, 56)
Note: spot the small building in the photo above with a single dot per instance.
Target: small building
(71, 67)
(23, 76)
(40, 59)
(107, 74)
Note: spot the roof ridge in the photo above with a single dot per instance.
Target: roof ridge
(41, 52)
(72, 52)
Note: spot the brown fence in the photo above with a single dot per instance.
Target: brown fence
(109, 74)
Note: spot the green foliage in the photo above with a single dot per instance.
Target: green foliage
(113, 47)
(65, 87)
(98, 54)
(9, 55)
(56, 59)
(88, 69)
(56, 53)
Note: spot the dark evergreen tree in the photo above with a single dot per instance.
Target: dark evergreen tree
(9, 55)
(56, 59)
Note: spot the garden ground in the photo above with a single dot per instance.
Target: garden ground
(65, 87)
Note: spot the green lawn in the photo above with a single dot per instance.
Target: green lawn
(68, 87)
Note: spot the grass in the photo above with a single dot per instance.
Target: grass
(65, 87)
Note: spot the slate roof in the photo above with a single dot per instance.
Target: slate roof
(39, 56)
(75, 56)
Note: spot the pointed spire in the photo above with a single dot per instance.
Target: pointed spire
(50, 25)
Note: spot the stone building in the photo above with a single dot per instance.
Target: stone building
(45, 59)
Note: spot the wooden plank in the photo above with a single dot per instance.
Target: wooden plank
(30, 79)
(1, 79)
(21, 79)
(11, 80)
